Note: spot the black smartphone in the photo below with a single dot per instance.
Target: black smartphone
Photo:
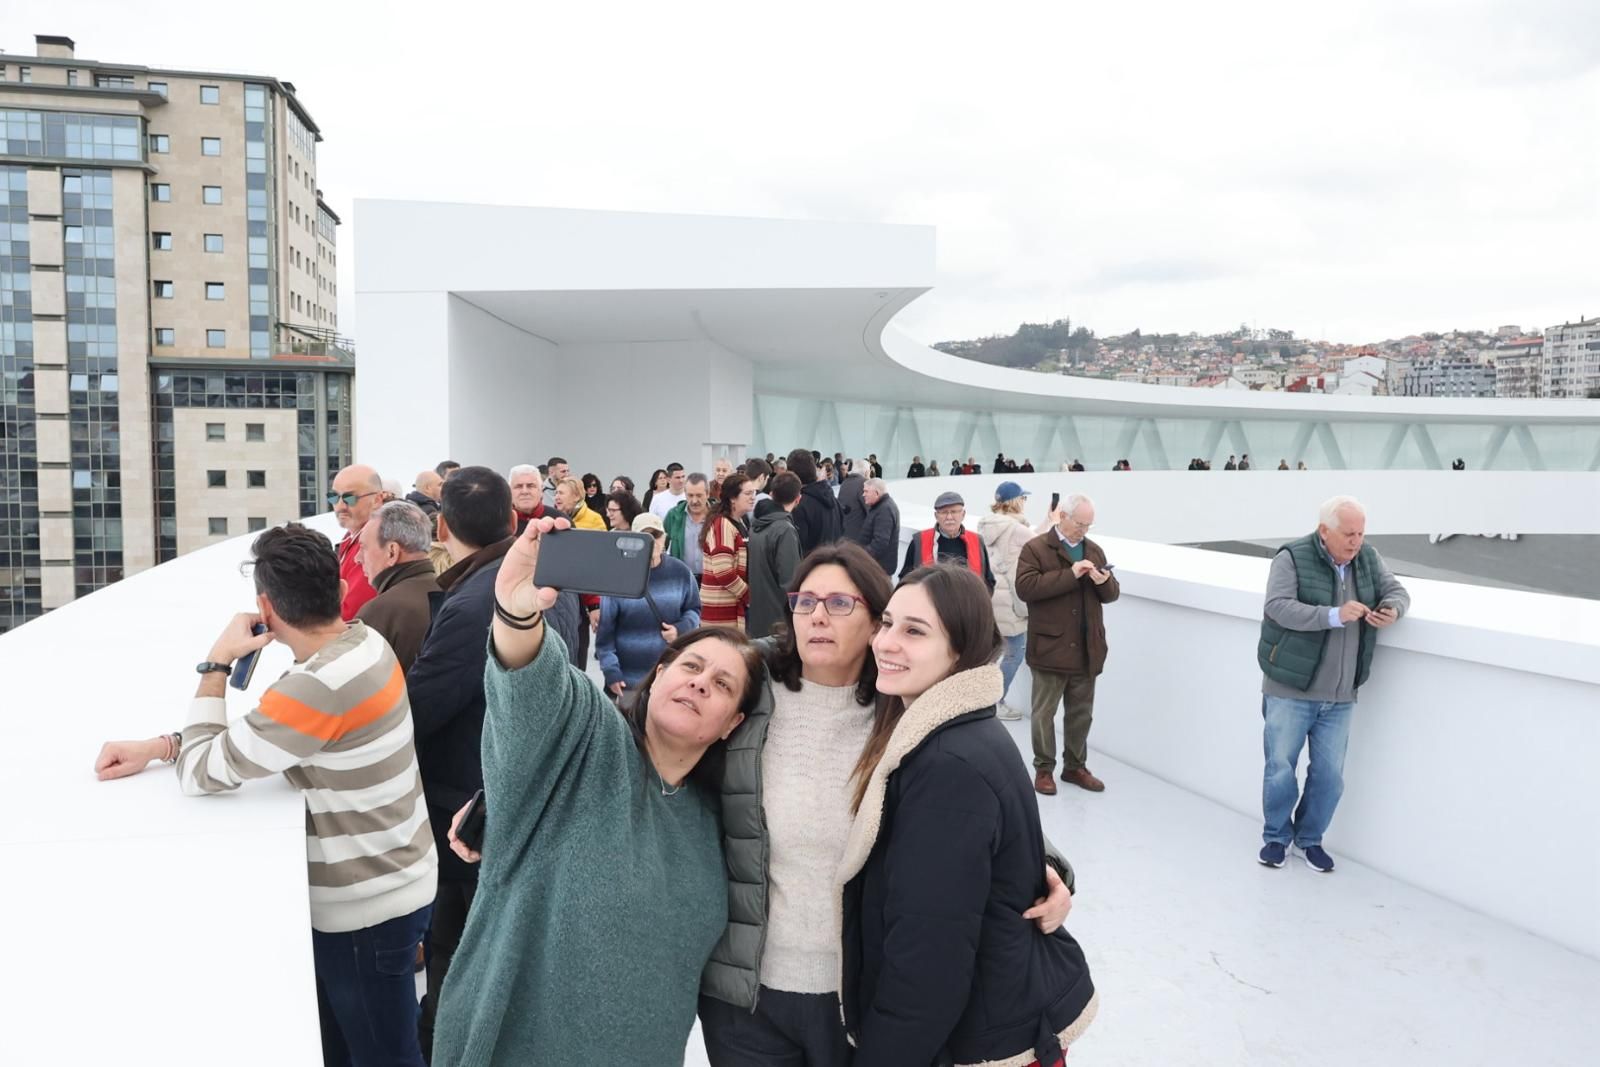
(469, 831)
(609, 563)
(1109, 567)
(245, 668)
(1055, 502)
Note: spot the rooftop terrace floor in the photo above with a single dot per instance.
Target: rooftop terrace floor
(1202, 956)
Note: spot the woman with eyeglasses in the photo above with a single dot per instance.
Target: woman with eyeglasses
(944, 854)
(659, 483)
(724, 590)
(621, 509)
(770, 993)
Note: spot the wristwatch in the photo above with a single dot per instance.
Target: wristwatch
(208, 667)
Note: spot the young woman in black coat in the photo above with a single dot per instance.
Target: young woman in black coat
(945, 854)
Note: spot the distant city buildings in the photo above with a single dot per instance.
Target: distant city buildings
(1571, 364)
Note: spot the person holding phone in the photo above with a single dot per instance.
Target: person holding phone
(338, 727)
(1063, 579)
(634, 632)
(945, 854)
(603, 890)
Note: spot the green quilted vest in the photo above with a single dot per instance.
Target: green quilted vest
(1290, 657)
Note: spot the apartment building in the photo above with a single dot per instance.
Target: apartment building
(1519, 368)
(1571, 366)
(171, 371)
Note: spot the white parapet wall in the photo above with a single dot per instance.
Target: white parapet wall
(1470, 763)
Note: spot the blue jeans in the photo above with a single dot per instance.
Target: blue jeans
(367, 993)
(1011, 662)
(1289, 725)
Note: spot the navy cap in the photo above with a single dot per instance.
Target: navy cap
(1008, 491)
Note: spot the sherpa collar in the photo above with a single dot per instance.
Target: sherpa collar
(981, 687)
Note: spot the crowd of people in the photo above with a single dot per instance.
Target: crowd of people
(789, 806)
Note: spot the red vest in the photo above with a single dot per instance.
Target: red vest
(968, 538)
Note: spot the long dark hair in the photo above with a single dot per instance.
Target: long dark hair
(650, 489)
(722, 508)
(867, 577)
(636, 708)
(961, 601)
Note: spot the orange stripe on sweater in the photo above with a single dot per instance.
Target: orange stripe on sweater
(319, 724)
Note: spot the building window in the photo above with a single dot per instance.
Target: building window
(213, 242)
(211, 146)
(161, 192)
(255, 479)
(166, 336)
(25, 75)
(159, 241)
(216, 479)
(72, 77)
(159, 88)
(216, 431)
(255, 431)
(210, 94)
(216, 338)
(211, 194)
(160, 143)
(255, 523)
(113, 81)
(215, 291)
(217, 527)
(162, 290)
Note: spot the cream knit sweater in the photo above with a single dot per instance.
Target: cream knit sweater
(813, 742)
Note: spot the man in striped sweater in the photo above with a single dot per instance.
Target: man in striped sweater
(337, 726)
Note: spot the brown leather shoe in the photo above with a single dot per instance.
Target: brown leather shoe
(1084, 780)
(1045, 782)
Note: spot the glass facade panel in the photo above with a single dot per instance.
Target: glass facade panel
(20, 581)
(70, 135)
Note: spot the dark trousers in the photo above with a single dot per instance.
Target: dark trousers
(1050, 689)
(367, 993)
(785, 1030)
(450, 907)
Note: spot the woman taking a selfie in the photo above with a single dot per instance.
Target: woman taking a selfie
(769, 996)
(944, 856)
(603, 889)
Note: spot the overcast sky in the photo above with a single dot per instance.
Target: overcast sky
(1352, 171)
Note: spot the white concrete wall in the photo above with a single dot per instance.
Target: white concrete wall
(1469, 770)
(403, 380)
(501, 397)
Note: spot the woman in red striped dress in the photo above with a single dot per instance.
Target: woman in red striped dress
(724, 594)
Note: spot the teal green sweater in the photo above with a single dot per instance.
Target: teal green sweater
(599, 900)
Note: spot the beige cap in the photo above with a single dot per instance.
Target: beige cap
(647, 521)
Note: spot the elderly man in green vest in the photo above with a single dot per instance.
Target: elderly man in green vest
(1328, 595)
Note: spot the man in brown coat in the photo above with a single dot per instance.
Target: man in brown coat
(394, 555)
(1063, 578)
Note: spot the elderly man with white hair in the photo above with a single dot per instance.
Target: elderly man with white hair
(1066, 582)
(527, 493)
(1328, 595)
(394, 557)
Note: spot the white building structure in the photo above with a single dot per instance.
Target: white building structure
(1468, 883)
(1571, 366)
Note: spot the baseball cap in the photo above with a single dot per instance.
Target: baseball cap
(1008, 491)
(645, 521)
(948, 499)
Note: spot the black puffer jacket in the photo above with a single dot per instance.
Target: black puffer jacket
(817, 519)
(945, 855)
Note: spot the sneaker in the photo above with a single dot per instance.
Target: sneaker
(1317, 859)
(1271, 855)
(1007, 713)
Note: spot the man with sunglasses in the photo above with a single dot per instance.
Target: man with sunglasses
(357, 494)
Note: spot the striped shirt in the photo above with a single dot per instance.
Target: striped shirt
(338, 727)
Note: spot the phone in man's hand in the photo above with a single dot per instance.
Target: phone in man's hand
(245, 668)
(1055, 503)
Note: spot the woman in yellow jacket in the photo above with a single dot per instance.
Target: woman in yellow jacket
(569, 501)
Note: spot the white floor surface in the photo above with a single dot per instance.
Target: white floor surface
(1202, 956)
